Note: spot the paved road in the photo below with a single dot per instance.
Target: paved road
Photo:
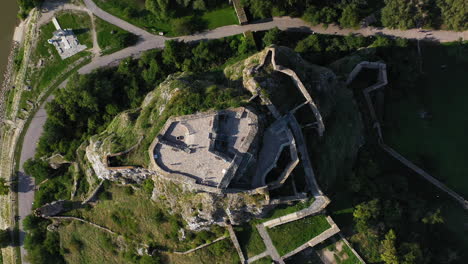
(117, 21)
(26, 183)
(149, 41)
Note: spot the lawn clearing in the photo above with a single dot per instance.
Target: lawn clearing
(83, 243)
(134, 215)
(134, 12)
(111, 38)
(290, 236)
(221, 17)
(249, 239)
(437, 143)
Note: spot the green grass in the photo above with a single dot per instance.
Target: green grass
(83, 243)
(439, 144)
(42, 77)
(351, 259)
(105, 34)
(80, 24)
(344, 255)
(282, 211)
(222, 252)
(288, 237)
(135, 216)
(249, 239)
(134, 12)
(221, 17)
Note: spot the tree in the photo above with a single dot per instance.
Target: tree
(364, 213)
(259, 8)
(186, 25)
(350, 17)
(272, 36)
(199, 5)
(311, 43)
(312, 15)
(433, 218)
(389, 253)
(399, 14)
(38, 168)
(411, 253)
(159, 8)
(328, 15)
(454, 14)
(5, 238)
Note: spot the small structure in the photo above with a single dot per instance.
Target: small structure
(65, 41)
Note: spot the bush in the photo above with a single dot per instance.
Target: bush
(148, 186)
(4, 188)
(187, 25)
(105, 195)
(5, 238)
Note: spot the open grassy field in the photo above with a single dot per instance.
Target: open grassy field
(288, 237)
(437, 143)
(221, 17)
(249, 239)
(132, 214)
(82, 243)
(108, 35)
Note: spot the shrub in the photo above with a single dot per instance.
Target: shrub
(5, 238)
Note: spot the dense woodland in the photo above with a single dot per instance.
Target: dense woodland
(402, 14)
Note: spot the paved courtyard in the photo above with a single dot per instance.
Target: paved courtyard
(205, 146)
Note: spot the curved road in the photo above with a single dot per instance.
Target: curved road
(149, 41)
(26, 183)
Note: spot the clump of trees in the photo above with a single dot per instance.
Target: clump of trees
(5, 238)
(26, 6)
(43, 246)
(393, 222)
(454, 14)
(401, 14)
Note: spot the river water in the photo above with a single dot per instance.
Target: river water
(8, 20)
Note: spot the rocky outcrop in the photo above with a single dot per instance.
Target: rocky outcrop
(96, 155)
